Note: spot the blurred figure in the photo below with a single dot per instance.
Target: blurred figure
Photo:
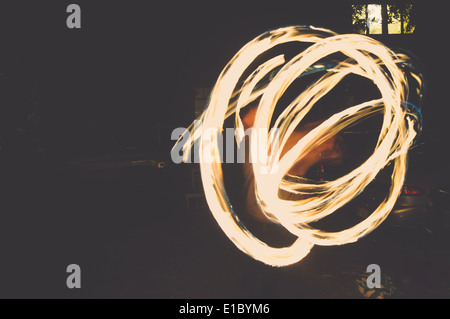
(329, 152)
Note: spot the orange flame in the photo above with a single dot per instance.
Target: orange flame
(367, 58)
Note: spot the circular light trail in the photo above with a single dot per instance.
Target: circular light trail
(364, 57)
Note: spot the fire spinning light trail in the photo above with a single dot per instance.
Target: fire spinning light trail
(365, 57)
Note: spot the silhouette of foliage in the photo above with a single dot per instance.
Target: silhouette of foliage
(404, 13)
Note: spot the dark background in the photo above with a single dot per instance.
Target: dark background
(134, 66)
(115, 88)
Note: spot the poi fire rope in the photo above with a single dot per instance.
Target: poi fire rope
(365, 57)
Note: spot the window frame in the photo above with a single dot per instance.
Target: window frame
(384, 18)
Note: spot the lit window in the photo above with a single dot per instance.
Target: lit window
(394, 20)
(359, 18)
(374, 19)
(383, 19)
(409, 19)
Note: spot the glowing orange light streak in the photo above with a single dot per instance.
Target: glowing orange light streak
(367, 58)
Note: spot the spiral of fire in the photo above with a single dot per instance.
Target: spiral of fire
(365, 57)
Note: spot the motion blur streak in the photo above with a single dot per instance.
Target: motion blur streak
(364, 57)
